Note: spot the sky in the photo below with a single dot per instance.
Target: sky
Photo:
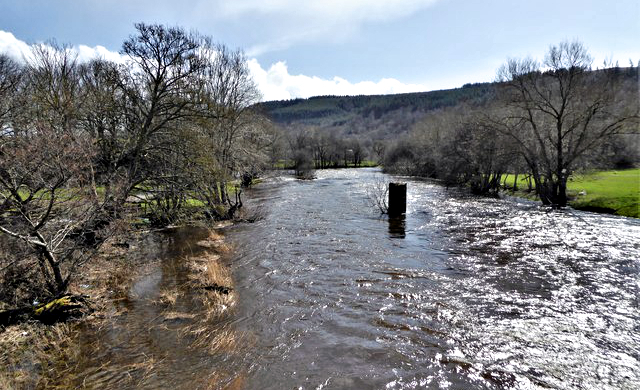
(303, 48)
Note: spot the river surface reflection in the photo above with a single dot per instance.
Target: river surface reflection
(461, 293)
(464, 292)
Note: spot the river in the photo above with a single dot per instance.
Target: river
(464, 293)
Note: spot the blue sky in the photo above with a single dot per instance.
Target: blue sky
(303, 48)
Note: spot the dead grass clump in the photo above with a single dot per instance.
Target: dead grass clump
(36, 355)
(169, 297)
(16, 356)
(207, 270)
(222, 224)
(106, 282)
(217, 304)
(177, 316)
(217, 274)
(6, 383)
(215, 241)
(214, 283)
(105, 276)
(106, 279)
(215, 236)
(214, 339)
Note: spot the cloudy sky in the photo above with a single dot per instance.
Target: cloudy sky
(301, 48)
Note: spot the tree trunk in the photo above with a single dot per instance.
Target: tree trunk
(542, 189)
(60, 284)
(562, 191)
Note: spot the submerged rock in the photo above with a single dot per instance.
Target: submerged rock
(219, 289)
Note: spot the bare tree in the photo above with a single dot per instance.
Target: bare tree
(160, 88)
(480, 154)
(357, 152)
(379, 147)
(53, 79)
(103, 118)
(558, 111)
(48, 202)
(230, 141)
(301, 147)
(228, 93)
(11, 76)
(377, 194)
(45, 202)
(321, 146)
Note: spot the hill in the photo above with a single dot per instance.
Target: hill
(377, 116)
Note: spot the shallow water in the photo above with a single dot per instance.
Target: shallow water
(465, 292)
(148, 343)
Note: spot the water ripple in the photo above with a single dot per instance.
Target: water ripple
(481, 293)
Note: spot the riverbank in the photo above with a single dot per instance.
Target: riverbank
(611, 192)
(35, 355)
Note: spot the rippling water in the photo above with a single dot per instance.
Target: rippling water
(464, 293)
(474, 293)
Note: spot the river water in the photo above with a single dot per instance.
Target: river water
(464, 293)
(475, 293)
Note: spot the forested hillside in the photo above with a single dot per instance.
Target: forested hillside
(378, 117)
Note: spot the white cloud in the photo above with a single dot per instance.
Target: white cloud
(276, 83)
(86, 53)
(21, 51)
(13, 47)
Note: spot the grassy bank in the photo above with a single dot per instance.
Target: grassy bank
(614, 192)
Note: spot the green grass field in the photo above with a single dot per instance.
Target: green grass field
(615, 192)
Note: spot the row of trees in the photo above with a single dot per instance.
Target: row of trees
(546, 120)
(171, 125)
(310, 148)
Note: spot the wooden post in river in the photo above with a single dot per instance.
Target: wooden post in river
(397, 199)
